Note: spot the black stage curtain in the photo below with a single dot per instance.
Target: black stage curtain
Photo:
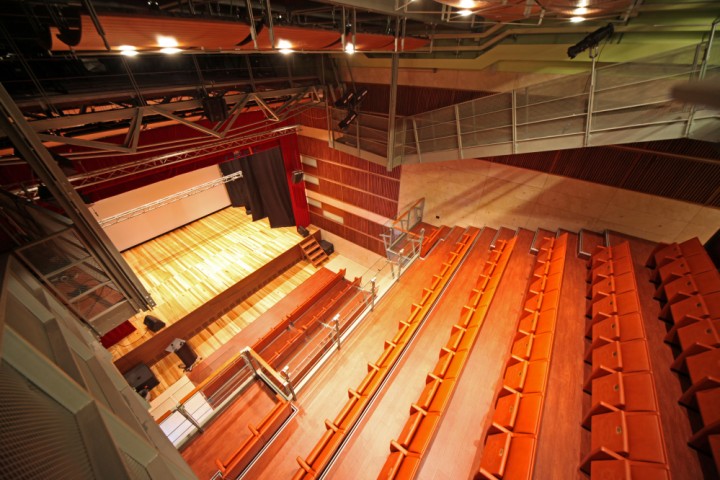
(236, 189)
(264, 188)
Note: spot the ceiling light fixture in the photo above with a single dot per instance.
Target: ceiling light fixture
(284, 46)
(166, 42)
(128, 50)
(580, 11)
(349, 48)
(467, 4)
(170, 50)
(464, 13)
(577, 19)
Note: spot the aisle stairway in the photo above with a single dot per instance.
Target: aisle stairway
(313, 251)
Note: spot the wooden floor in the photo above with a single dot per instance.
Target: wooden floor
(190, 265)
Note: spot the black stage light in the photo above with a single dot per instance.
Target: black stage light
(345, 122)
(592, 40)
(347, 99)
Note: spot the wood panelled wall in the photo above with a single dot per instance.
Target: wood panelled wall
(354, 181)
(681, 169)
(412, 100)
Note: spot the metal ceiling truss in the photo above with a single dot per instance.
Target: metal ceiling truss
(267, 102)
(125, 170)
(127, 215)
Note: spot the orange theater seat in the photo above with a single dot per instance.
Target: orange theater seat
(615, 284)
(607, 254)
(621, 328)
(632, 392)
(532, 347)
(525, 377)
(636, 436)
(623, 469)
(681, 267)
(697, 306)
(709, 405)
(696, 338)
(704, 372)
(625, 357)
(611, 268)
(613, 304)
(538, 322)
(689, 285)
(517, 413)
(507, 455)
(674, 251)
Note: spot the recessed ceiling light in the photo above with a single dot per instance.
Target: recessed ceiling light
(467, 4)
(464, 13)
(580, 11)
(349, 48)
(583, 3)
(166, 42)
(170, 50)
(128, 50)
(577, 19)
(284, 46)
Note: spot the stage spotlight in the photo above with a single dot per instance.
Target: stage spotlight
(591, 41)
(345, 122)
(347, 99)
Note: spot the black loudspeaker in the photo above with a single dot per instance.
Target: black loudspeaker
(327, 247)
(154, 324)
(183, 350)
(215, 108)
(140, 377)
(303, 231)
(297, 176)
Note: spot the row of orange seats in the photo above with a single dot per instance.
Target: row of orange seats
(336, 430)
(407, 451)
(509, 450)
(431, 239)
(689, 286)
(287, 343)
(259, 437)
(626, 434)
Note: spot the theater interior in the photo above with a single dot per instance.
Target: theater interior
(343, 239)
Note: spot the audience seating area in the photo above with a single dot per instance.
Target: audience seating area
(626, 433)
(296, 332)
(431, 239)
(509, 450)
(337, 430)
(426, 413)
(689, 286)
(258, 438)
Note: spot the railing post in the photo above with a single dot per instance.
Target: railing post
(514, 120)
(336, 325)
(373, 293)
(701, 75)
(285, 372)
(182, 411)
(248, 362)
(591, 98)
(400, 260)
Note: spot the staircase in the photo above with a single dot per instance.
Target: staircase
(313, 251)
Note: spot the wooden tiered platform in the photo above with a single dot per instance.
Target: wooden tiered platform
(471, 370)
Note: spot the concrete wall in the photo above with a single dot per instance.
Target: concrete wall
(478, 192)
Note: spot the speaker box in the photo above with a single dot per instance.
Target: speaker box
(303, 231)
(215, 108)
(297, 176)
(327, 247)
(141, 377)
(154, 324)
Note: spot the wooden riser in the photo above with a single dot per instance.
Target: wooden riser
(313, 251)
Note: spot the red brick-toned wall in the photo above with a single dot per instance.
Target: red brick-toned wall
(354, 181)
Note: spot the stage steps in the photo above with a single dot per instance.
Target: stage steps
(313, 251)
